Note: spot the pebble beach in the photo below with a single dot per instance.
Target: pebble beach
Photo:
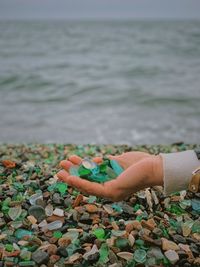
(44, 222)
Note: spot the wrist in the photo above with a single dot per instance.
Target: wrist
(156, 174)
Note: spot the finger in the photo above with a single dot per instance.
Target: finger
(66, 164)
(91, 188)
(75, 159)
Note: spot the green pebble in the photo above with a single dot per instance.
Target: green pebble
(57, 234)
(99, 233)
(62, 188)
(9, 247)
(122, 243)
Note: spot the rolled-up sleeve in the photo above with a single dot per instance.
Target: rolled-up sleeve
(177, 170)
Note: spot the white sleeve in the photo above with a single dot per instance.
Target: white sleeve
(177, 170)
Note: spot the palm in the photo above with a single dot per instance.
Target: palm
(117, 189)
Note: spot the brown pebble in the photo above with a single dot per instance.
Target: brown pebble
(53, 240)
(55, 218)
(64, 241)
(54, 258)
(32, 219)
(129, 227)
(136, 225)
(78, 200)
(91, 208)
(149, 224)
(52, 249)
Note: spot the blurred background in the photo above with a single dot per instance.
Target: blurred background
(99, 71)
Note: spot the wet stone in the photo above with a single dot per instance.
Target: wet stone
(38, 212)
(40, 257)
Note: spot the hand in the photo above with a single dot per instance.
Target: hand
(141, 170)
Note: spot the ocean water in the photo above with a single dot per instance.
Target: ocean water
(132, 82)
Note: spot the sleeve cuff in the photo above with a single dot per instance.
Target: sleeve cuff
(177, 170)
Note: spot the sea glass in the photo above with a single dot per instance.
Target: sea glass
(99, 233)
(20, 233)
(140, 255)
(104, 252)
(100, 173)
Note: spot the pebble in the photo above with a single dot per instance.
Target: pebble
(91, 208)
(172, 256)
(40, 257)
(125, 255)
(58, 212)
(38, 212)
(169, 245)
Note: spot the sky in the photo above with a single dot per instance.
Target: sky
(87, 9)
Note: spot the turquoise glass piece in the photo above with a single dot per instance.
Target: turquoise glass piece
(116, 167)
(117, 208)
(100, 178)
(196, 205)
(20, 233)
(74, 171)
(100, 173)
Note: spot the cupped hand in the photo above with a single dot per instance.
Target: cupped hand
(141, 170)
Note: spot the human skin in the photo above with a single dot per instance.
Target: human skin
(141, 170)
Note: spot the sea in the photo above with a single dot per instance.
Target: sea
(100, 82)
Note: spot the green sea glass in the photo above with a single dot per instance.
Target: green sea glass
(104, 252)
(100, 173)
(99, 233)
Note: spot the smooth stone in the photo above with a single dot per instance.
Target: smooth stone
(40, 257)
(49, 210)
(33, 199)
(125, 255)
(91, 208)
(25, 254)
(62, 251)
(179, 239)
(122, 243)
(52, 249)
(32, 219)
(172, 256)
(118, 233)
(64, 241)
(58, 212)
(155, 252)
(54, 225)
(38, 212)
(169, 245)
(93, 257)
(93, 250)
(57, 199)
